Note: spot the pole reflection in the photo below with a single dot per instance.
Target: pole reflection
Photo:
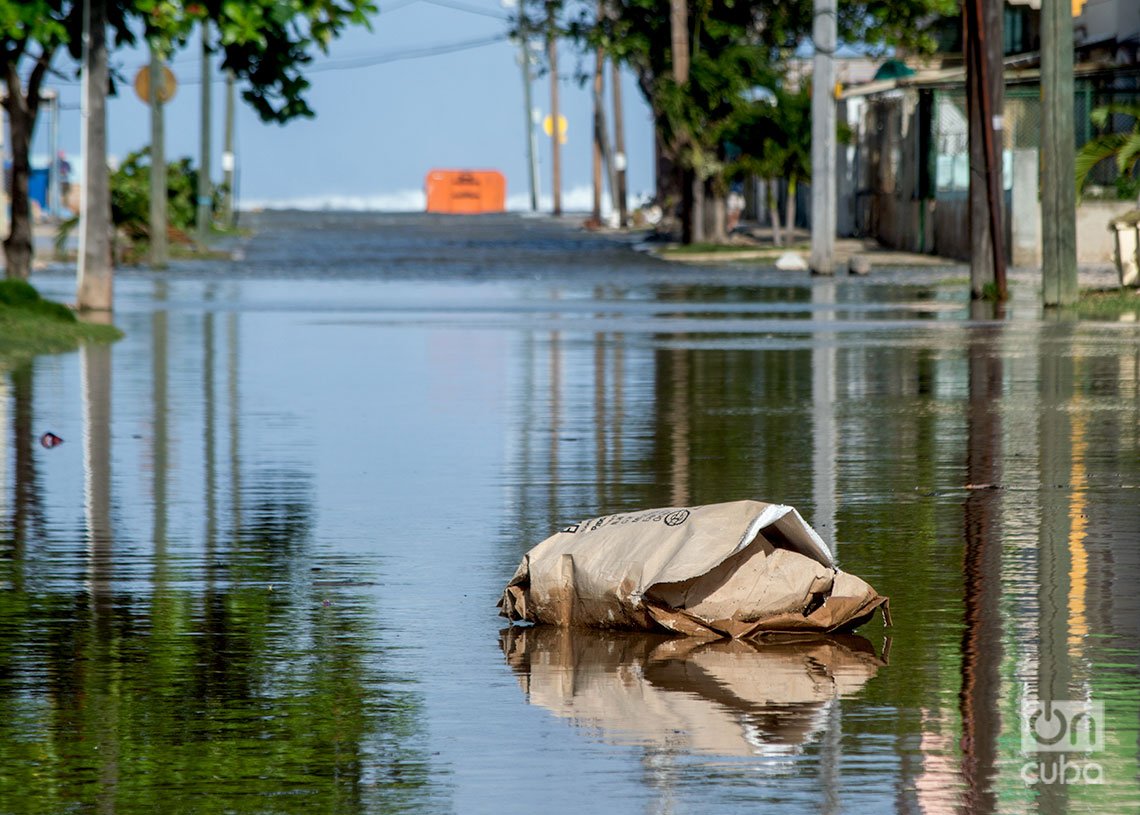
(981, 638)
(1054, 559)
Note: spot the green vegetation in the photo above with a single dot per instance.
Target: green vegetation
(266, 44)
(1123, 148)
(1112, 304)
(130, 208)
(30, 325)
(710, 121)
(727, 249)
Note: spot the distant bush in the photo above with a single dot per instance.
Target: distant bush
(130, 204)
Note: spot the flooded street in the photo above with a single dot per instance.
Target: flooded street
(260, 572)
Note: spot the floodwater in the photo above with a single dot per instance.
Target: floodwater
(260, 572)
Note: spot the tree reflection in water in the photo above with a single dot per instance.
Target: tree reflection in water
(215, 681)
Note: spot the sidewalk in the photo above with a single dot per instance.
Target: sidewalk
(753, 243)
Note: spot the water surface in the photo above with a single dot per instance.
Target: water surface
(260, 573)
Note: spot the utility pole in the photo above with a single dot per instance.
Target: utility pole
(555, 130)
(158, 248)
(602, 153)
(205, 194)
(531, 138)
(984, 99)
(55, 190)
(619, 145)
(1058, 193)
(95, 278)
(823, 140)
(229, 158)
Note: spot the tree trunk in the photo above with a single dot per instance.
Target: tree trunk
(18, 244)
(695, 218)
(774, 212)
(714, 214)
(22, 110)
(790, 211)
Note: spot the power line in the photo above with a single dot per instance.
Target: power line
(352, 63)
(467, 7)
(409, 53)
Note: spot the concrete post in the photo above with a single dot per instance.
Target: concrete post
(95, 276)
(1025, 211)
(823, 139)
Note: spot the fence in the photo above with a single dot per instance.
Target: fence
(1022, 126)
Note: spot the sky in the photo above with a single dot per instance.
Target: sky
(383, 119)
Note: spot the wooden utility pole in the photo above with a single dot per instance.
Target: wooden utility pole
(205, 194)
(95, 277)
(555, 130)
(159, 254)
(1058, 187)
(824, 140)
(619, 145)
(985, 95)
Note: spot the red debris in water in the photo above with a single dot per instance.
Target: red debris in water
(50, 440)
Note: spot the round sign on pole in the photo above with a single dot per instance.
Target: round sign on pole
(548, 127)
(165, 90)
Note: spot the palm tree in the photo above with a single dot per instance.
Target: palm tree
(1124, 147)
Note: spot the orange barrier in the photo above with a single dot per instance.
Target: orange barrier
(466, 192)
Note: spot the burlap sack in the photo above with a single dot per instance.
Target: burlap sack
(720, 570)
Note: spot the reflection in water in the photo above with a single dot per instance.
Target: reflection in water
(1054, 679)
(679, 695)
(981, 636)
(222, 682)
(218, 683)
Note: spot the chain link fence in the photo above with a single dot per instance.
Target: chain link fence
(1022, 114)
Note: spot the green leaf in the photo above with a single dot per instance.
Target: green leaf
(1093, 153)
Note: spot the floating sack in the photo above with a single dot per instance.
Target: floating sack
(721, 570)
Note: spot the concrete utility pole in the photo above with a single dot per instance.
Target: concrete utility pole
(528, 104)
(1058, 149)
(205, 194)
(619, 145)
(229, 158)
(95, 278)
(158, 247)
(55, 188)
(824, 141)
(985, 83)
(602, 154)
(555, 130)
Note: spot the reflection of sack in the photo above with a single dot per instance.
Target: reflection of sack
(725, 697)
(733, 569)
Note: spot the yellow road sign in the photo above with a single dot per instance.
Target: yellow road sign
(165, 91)
(548, 127)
